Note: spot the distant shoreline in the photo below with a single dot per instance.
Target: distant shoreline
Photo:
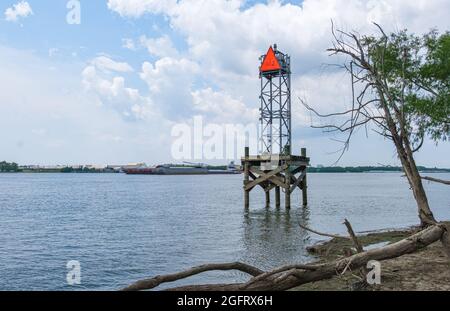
(6, 167)
(431, 171)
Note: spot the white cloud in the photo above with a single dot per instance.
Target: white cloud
(222, 106)
(21, 9)
(136, 8)
(161, 47)
(107, 64)
(169, 72)
(224, 36)
(99, 77)
(170, 82)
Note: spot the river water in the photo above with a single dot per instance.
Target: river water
(122, 228)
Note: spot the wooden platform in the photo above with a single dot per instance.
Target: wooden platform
(285, 173)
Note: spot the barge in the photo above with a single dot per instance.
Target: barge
(168, 169)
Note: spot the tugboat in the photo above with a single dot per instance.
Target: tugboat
(231, 169)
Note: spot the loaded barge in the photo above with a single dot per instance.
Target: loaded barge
(168, 169)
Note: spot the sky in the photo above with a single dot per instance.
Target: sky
(109, 87)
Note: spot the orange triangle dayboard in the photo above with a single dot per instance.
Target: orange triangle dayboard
(270, 62)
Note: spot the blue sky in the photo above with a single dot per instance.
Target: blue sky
(110, 89)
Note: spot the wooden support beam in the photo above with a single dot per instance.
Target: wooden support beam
(246, 178)
(264, 177)
(267, 198)
(304, 183)
(268, 185)
(253, 176)
(298, 169)
(277, 180)
(298, 181)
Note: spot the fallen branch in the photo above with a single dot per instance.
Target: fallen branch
(355, 240)
(322, 233)
(160, 279)
(445, 182)
(359, 249)
(291, 276)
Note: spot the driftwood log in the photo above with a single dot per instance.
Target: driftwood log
(290, 276)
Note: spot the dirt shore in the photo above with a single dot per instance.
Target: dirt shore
(427, 269)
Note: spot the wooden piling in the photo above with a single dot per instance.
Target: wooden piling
(267, 198)
(277, 197)
(304, 183)
(246, 178)
(287, 192)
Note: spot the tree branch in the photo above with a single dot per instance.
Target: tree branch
(323, 234)
(160, 279)
(445, 182)
(355, 240)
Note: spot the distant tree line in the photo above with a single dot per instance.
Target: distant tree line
(9, 167)
(364, 169)
(6, 167)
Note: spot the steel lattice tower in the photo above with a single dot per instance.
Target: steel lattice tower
(275, 76)
(275, 167)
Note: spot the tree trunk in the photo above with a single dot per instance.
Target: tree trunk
(402, 144)
(406, 157)
(425, 214)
